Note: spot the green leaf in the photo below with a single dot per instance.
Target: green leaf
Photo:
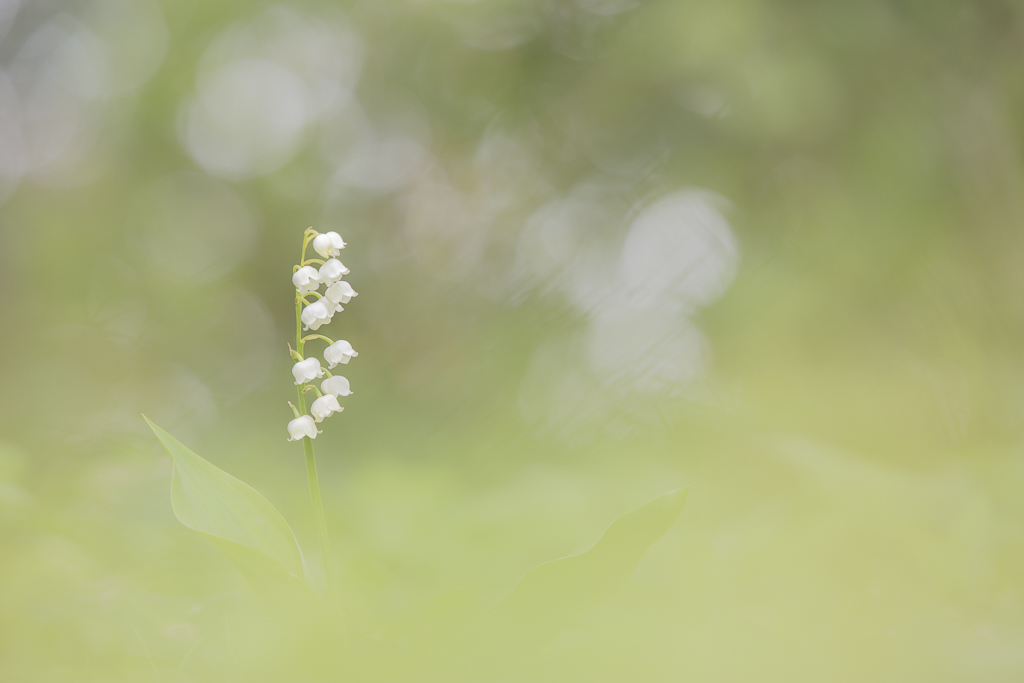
(239, 521)
(551, 594)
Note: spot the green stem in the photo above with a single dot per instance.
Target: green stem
(307, 237)
(318, 513)
(308, 337)
(311, 475)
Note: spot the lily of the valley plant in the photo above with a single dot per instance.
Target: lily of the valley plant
(257, 539)
(231, 513)
(310, 315)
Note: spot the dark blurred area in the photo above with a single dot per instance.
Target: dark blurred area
(603, 249)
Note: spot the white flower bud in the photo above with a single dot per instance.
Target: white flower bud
(335, 386)
(339, 352)
(316, 314)
(328, 244)
(307, 370)
(306, 280)
(324, 406)
(340, 292)
(332, 271)
(302, 426)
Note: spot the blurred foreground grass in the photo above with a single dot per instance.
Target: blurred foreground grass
(604, 249)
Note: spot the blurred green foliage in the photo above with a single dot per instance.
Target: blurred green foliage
(833, 365)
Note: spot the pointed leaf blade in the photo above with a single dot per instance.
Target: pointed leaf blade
(207, 499)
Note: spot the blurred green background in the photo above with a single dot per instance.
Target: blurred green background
(603, 249)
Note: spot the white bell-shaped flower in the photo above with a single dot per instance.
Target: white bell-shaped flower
(316, 314)
(339, 352)
(307, 370)
(332, 271)
(306, 279)
(324, 407)
(335, 386)
(340, 292)
(332, 308)
(300, 427)
(328, 244)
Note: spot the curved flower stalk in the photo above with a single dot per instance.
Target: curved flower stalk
(311, 315)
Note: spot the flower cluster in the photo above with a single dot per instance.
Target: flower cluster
(311, 315)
